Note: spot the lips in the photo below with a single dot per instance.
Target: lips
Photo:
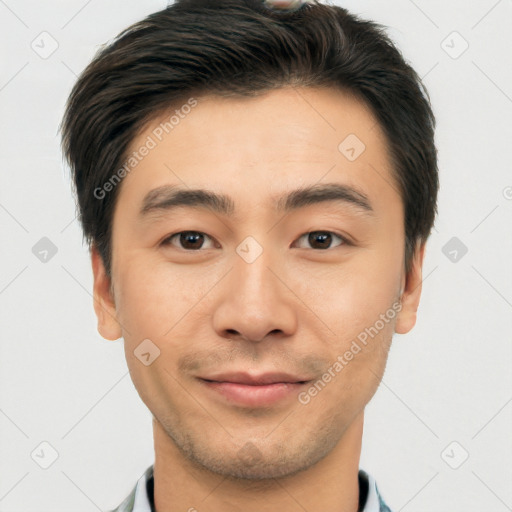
(256, 379)
(254, 390)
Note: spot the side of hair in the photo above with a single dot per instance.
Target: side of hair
(241, 48)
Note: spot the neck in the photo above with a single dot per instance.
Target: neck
(330, 484)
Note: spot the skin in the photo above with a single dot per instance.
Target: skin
(296, 308)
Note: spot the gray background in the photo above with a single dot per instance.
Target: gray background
(449, 380)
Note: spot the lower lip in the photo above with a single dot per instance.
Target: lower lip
(255, 396)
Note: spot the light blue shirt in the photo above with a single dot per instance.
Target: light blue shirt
(141, 497)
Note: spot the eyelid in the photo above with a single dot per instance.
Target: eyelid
(167, 240)
(345, 240)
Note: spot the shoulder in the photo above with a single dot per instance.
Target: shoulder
(139, 499)
(127, 504)
(374, 501)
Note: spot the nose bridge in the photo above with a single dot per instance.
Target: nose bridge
(254, 302)
(255, 279)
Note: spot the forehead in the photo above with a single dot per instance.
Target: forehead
(261, 146)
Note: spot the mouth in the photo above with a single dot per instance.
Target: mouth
(254, 390)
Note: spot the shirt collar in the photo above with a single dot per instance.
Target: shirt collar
(143, 494)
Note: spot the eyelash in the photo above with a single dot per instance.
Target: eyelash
(168, 240)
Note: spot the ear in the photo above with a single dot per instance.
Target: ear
(104, 304)
(410, 297)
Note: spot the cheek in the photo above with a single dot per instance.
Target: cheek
(351, 296)
(349, 382)
(154, 298)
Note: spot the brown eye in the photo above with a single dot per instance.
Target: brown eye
(321, 239)
(188, 240)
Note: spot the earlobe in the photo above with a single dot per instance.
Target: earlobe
(104, 304)
(411, 292)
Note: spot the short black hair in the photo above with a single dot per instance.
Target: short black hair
(237, 48)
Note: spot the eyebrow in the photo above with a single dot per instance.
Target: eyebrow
(167, 197)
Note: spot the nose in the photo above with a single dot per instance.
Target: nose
(255, 302)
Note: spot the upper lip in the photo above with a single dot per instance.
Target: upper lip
(255, 379)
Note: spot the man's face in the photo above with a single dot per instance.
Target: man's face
(259, 284)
